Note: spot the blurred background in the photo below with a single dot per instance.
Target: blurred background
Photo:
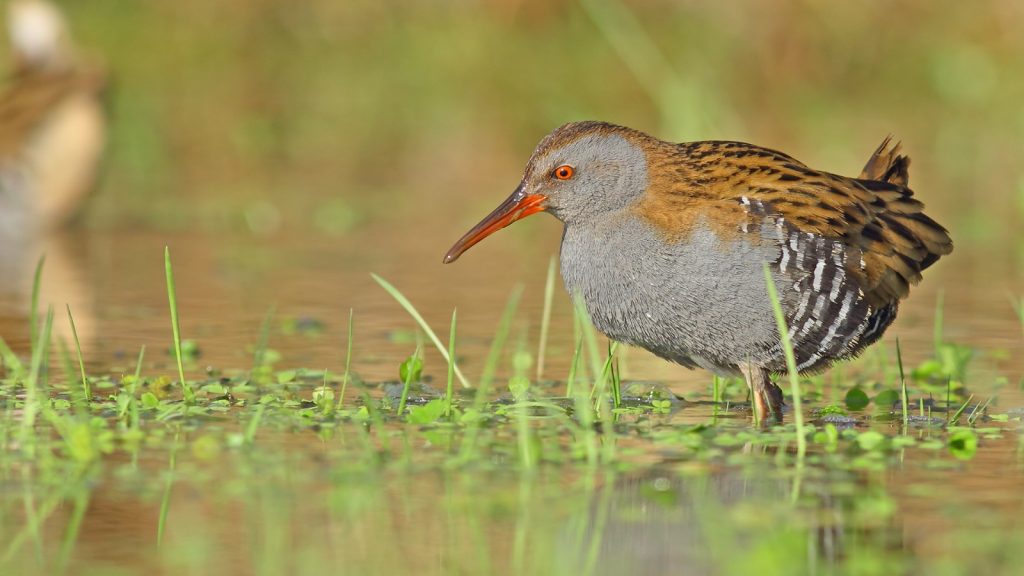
(285, 150)
(282, 151)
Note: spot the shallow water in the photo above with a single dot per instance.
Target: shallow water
(226, 284)
(361, 498)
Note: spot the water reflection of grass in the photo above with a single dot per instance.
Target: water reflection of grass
(531, 478)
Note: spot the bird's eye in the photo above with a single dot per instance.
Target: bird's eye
(564, 172)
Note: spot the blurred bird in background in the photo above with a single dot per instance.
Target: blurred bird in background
(52, 135)
(52, 123)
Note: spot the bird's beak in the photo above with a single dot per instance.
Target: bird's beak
(518, 205)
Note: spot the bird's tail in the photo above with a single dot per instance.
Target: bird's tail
(906, 240)
(887, 164)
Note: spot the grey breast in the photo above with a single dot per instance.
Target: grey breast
(703, 301)
(700, 302)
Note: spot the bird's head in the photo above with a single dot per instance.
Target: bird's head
(39, 35)
(577, 173)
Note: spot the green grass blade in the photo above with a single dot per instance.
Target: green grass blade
(589, 335)
(787, 347)
(500, 337)
(960, 410)
(404, 302)
(165, 501)
(67, 366)
(33, 312)
(81, 361)
(134, 404)
(449, 391)
(616, 380)
(978, 411)
(407, 381)
(33, 402)
(47, 509)
(573, 367)
(74, 525)
(348, 360)
(254, 422)
(545, 317)
(259, 354)
(29, 487)
(11, 360)
(528, 453)
(186, 388)
(605, 377)
(904, 397)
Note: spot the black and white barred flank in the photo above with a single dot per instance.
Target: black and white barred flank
(827, 313)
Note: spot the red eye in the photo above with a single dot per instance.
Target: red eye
(564, 172)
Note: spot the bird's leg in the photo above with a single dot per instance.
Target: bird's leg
(767, 396)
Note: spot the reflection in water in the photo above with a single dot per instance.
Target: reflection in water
(383, 502)
(65, 282)
(727, 518)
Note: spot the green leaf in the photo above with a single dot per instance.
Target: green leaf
(214, 388)
(963, 444)
(871, 440)
(832, 410)
(428, 413)
(856, 399)
(411, 370)
(518, 386)
(887, 398)
(149, 400)
(828, 436)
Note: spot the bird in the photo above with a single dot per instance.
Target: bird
(667, 244)
(52, 123)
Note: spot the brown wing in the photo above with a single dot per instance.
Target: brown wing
(29, 97)
(889, 239)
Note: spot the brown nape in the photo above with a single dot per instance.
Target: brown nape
(888, 238)
(32, 95)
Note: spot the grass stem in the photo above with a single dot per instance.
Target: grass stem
(904, 397)
(794, 377)
(33, 403)
(450, 391)
(500, 337)
(407, 381)
(133, 419)
(186, 388)
(33, 312)
(81, 361)
(348, 360)
(960, 410)
(545, 317)
(407, 305)
(165, 501)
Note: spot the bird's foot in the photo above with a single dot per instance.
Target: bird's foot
(768, 403)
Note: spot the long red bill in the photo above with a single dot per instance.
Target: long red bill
(517, 206)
